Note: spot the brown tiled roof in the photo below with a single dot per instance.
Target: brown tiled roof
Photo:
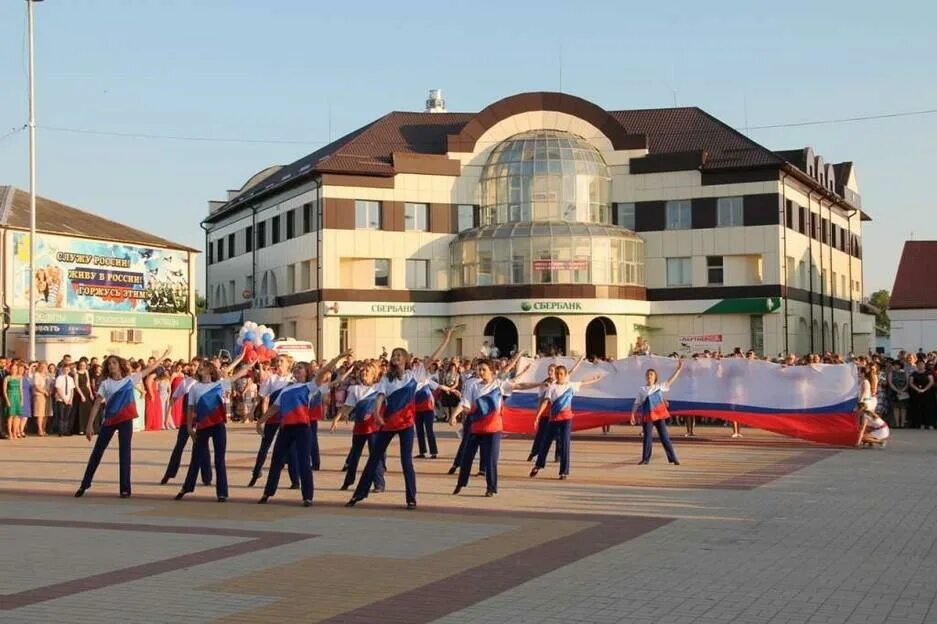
(368, 150)
(916, 281)
(53, 217)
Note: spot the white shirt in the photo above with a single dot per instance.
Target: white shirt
(64, 388)
(199, 389)
(645, 391)
(109, 385)
(388, 386)
(183, 388)
(357, 393)
(313, 389)
(273, 383)
(477, 388)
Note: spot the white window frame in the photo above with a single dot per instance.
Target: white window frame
(681, 270)
(679, 214)
(413, 220)
(414, 267)
(730, 212)
(387, 260)
(367, 214)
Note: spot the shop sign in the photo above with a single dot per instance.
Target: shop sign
(546, 264)
(20, 316)
(552, 306)
(62, 329)
(393, 308)
(702, 341)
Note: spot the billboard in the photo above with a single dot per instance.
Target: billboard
(87, 275)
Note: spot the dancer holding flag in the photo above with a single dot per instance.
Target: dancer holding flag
(206, 416)
(116, 395)
(558, 397)
(654, 414)
(394, 413)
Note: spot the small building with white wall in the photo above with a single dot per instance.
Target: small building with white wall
(913, 307)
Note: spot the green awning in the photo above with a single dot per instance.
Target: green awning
(746, 305)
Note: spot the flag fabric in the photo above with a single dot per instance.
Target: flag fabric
(815, 402)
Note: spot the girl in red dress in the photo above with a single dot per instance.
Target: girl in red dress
(154, 406)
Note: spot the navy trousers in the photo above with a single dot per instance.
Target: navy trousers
(354, 456)
(314, 444)
(291, 442)
(218, 434)
(559, 432)
(463, 444)
(376, 457)
(266, 439)
(175, 458)
(490, 445)
(425, 433)
(661, 427)
(124, 434)
(543, 427)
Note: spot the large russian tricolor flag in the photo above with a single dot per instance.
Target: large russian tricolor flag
(815, 402)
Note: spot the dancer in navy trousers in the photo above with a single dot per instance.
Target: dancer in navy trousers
(360, 402)
(180, 394)
(116, 395)
(654, 414)
(267, 427)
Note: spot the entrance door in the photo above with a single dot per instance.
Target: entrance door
(552, 335)
(601, 338)
(502, 333)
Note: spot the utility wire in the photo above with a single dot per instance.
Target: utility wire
(12, 132)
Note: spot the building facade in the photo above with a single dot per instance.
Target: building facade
(913, 307)
(100, 287)
(548, 224)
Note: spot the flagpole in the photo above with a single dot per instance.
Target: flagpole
(32, 184)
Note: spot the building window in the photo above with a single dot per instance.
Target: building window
(679, 272)
(305, 276)
(343, 334)
(291, 224)
(729, 212)
(802, 220)
(275, 230)
(231, 252)
(219, 251)
(417, 273)
(466, 217)
(823, 288)
(678, 215)
(367, 215)
(789, 214)
(249, 238)
(382, 272)
(211, 252)
(714, 270)
(824, 231)
(790, 276)
(290, 279)
(416, 217)
(624, 215)
(309, 217)
(261, 235)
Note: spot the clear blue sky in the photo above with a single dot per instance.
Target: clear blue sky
(275, 69)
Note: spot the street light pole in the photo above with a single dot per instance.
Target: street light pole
(32, 185)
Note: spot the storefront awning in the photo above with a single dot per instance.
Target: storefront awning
(746, 305)
(220, 319)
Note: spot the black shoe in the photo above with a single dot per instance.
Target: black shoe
(345, 486)
(222, 499)
(480, 473)
(411, 505)
(563, 477)
(125, 494)
(433, 456)
(421, 456)
(307, 502)
(345, 468)
(253, 481)
(263, 500)
(456, 491)
(643, 462)
(534, 471)
(80, 492)
(377, 490)
(453, 469)
(675, 462)
(530, 457)
(490, 493)
(206, 483)
(164, 480)
(180, 495)
(352, 502)
(294, 486)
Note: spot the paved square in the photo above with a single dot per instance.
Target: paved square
(761, 530)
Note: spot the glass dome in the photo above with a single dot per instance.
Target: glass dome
(545, 175)
(547, 253)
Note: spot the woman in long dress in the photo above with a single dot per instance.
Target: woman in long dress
(40, 398)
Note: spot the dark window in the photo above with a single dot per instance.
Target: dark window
(211, 252)
(714, 270)
(249, 239)
(309, 217)
(789, 214)
(261, 235)
(814, 226)
(291, 224)
(231, 252)
(802, 220)
(382, 272)
(824, 231)
(623, 215)
(275, 230)
(219, 252)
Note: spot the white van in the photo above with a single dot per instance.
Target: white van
(299, 350)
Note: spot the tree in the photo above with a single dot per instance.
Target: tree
(201, 303)
(881, 300)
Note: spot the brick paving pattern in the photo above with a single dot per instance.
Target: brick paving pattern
(762, 530)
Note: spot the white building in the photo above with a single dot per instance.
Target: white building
(544, 222)
(913, 307)
(100, 287)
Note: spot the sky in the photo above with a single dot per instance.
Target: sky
(283, 77)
